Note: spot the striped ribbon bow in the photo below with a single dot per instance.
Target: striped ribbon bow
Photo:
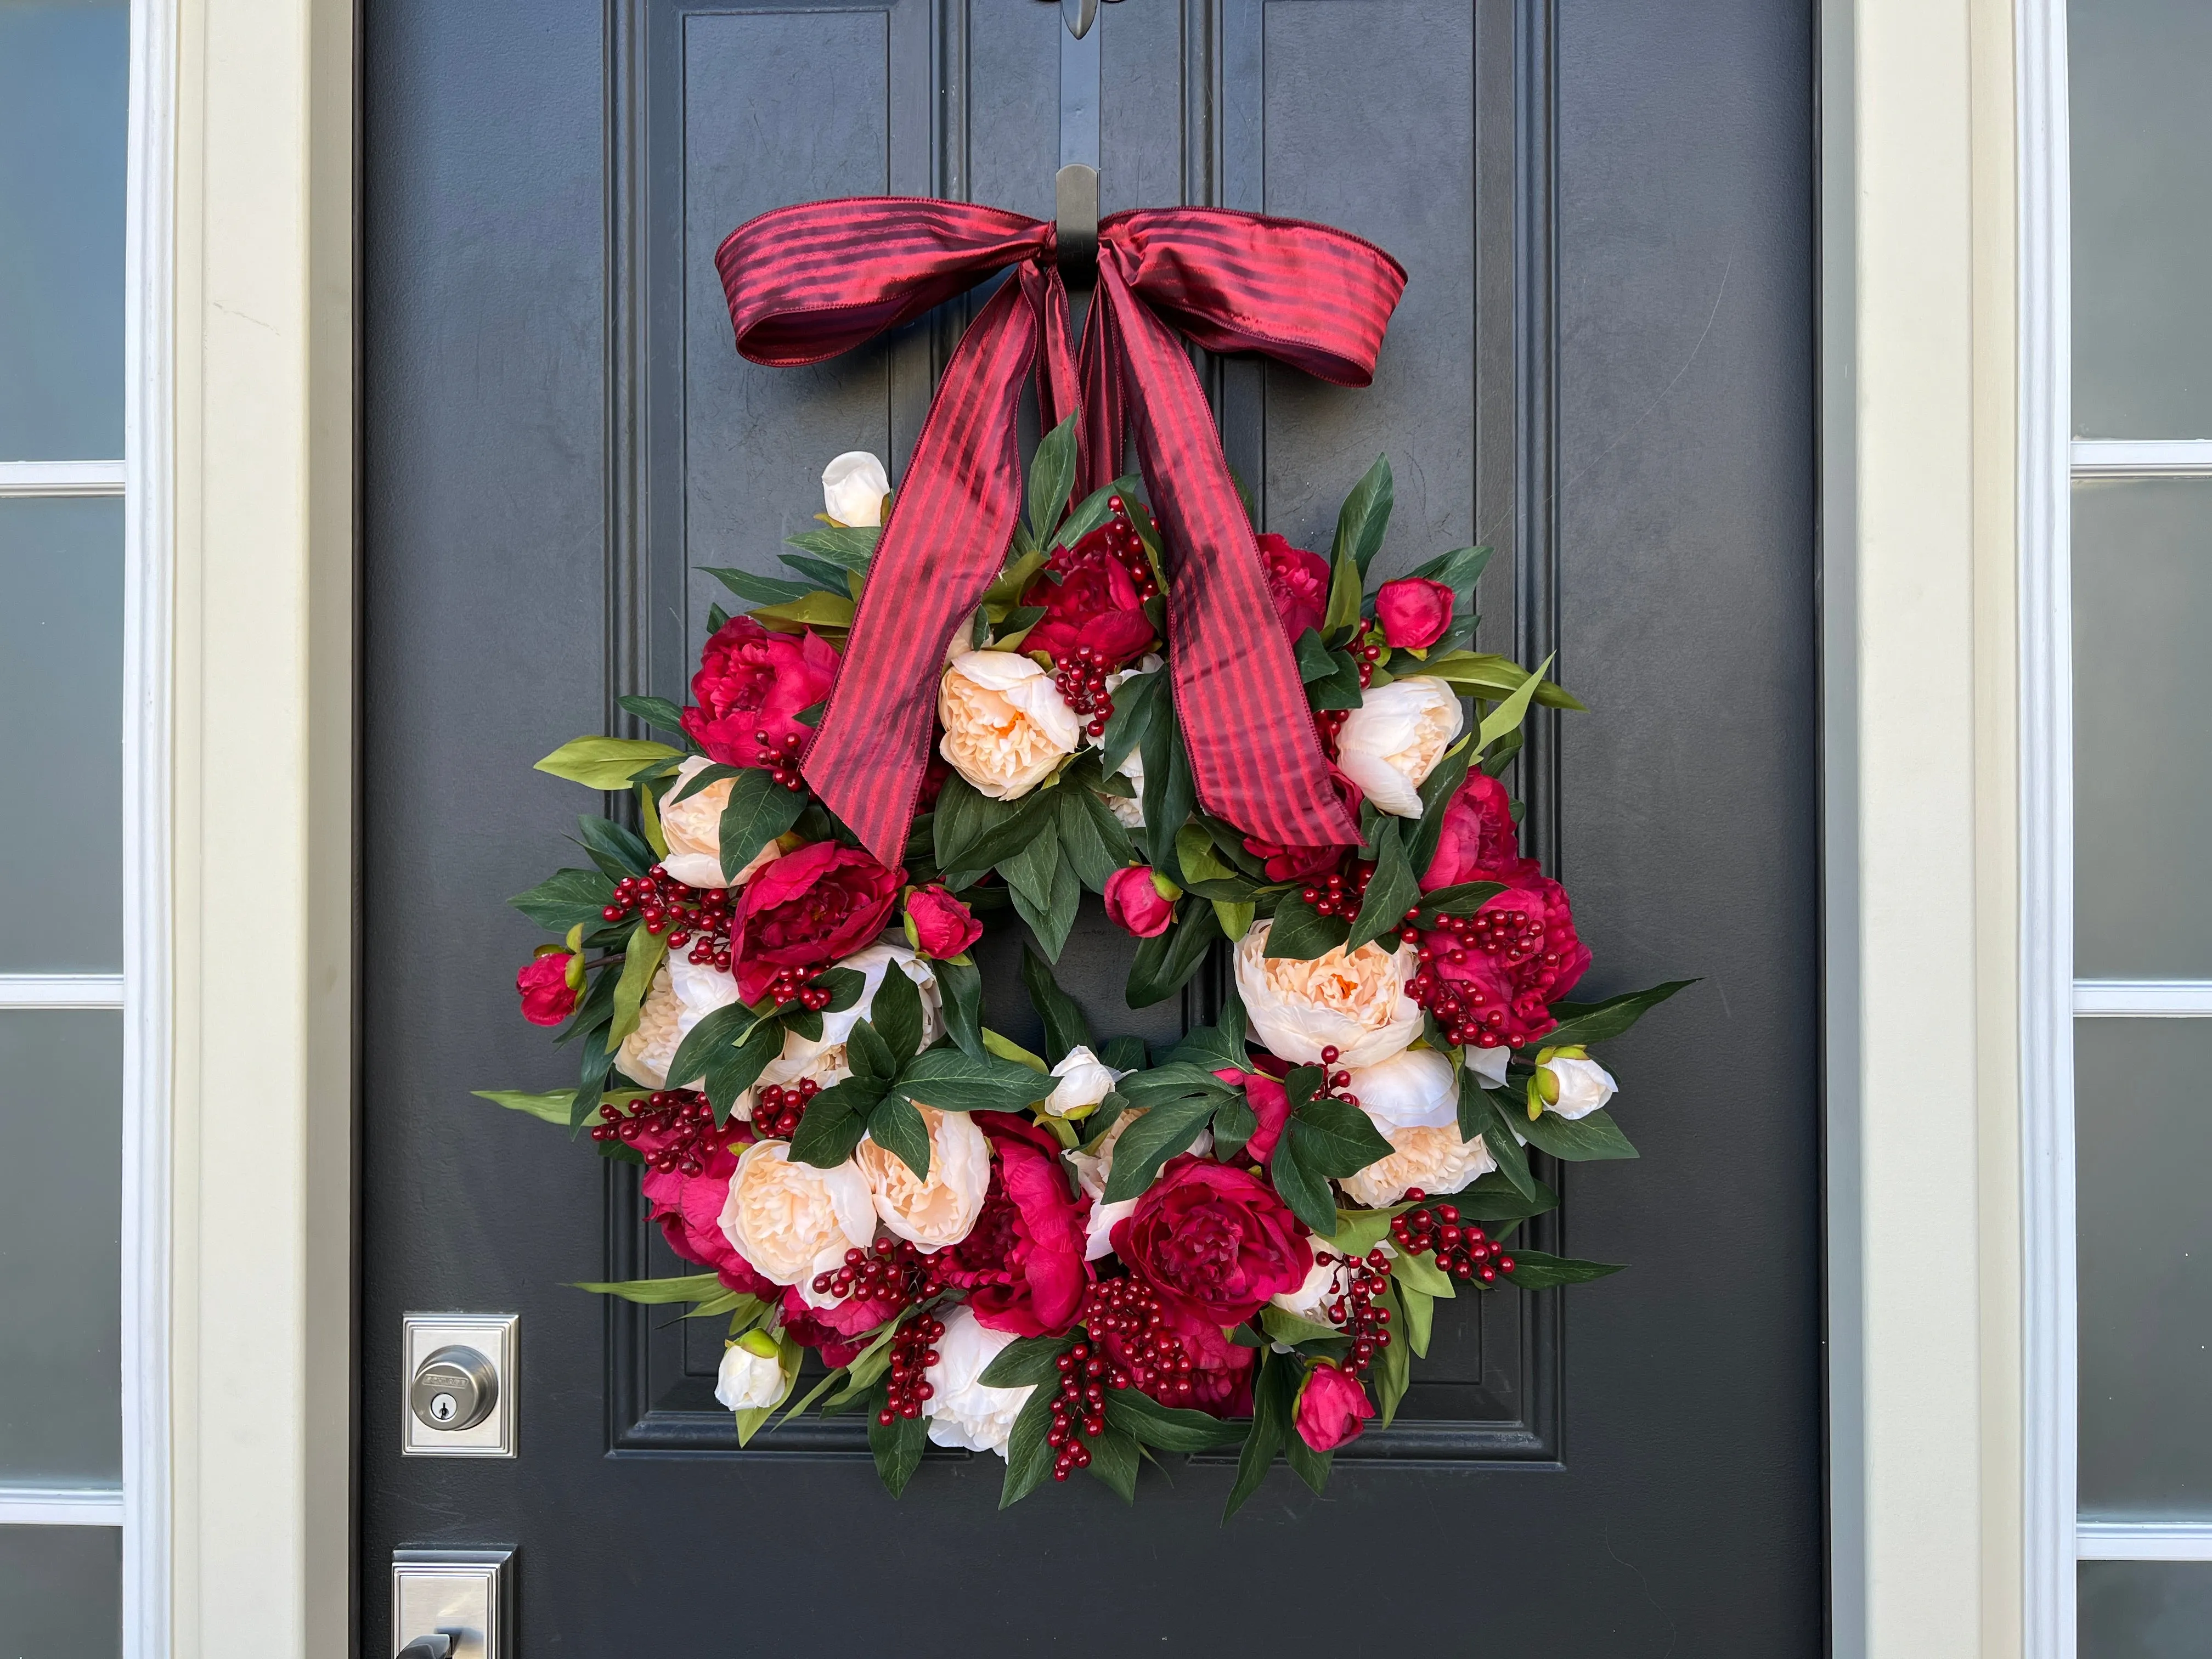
(807, 282)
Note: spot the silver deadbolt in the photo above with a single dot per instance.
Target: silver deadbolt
(454, 1389)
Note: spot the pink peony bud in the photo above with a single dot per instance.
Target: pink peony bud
(1331, 1406)
(1413, 612)
(1135, 902)
(938, 924)
(548, 997)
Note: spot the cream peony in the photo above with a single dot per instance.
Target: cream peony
(1488, 1064)
(793, 1221)
(961, 1409)
(822, 1059)
(645, 1052)
(1436, 1160)
(1392, 742)
(1006, 724)
(1085, 1080)
(1582, 1085)
(1357, 1005)
(854, 486)
(693, 830)
(941, 1210)
(751, 1375)
(1409, 1091)
(1094, 1168)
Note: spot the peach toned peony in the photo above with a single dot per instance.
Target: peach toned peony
(941, 1210)
(1436, 1160)
(793, 1221)
(693, 829)
(1006, 724)
(1356, 1005)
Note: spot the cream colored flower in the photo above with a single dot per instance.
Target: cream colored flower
(1006, 724)
(1392, 742)
(693, 830)
(854, 486)
(1409, 1091)
(1094, 1168)
(1580, 1084)
(793, 1221)
(1488, 1064)
(1085, 1080)
(941, 1210)
(645, 1052)
(1436, 1160)
(1357, 1005)
(962, 1410)
(751, 1377)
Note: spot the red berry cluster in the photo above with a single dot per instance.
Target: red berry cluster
(1080, 679)
(1081, 1403)
(1329, 722)
(792, 985)
(1334, 1080)
(911, 1358)
(1463, 1252)
(671, 908)
(1367, 654)
(1147, 1354)
(782, 758)
(776, 1109)
(893, 1272)
(1341, 895)
(1468, 1011)
(676, 1127)
(1355, 1302)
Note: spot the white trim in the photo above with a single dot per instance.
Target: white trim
(2181, 458)
(61, 1506)
(149, 279)
(19, 478)
(2049, 1382)
(2145, 1540)
(2142, 999)
(61, 990)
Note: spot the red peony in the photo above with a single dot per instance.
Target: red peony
(688, 1209)
(547, 997)
(1298, 581)
(1414, 612)
(1303, 863)
(942, 925)
(1490, 978)
(1478, 841)
(1093, 594)
(840, 1330)
(1269, 1103)
(751, 684)
(1220, 1371)
(1332, 1407)
(808, 909)
(1135, 905)
(1218, 1238)
(1023, 1264)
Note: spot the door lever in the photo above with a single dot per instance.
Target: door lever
(436, 1645)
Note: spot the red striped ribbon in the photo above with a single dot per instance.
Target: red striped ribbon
(807, 283)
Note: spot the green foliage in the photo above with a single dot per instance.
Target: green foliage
(758, 811)
(1535, 1271)
(1164, 961)
(1576, 1140)
(1273, 1391)
(1065, 1027)
(605, 762)
(1301, 932)
(898, 1445)
(566, 899)
(1595, 1022)
(1365, 514)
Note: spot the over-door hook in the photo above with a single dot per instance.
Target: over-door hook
(1080, 16)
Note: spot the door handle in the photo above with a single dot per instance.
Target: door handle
(437, 1645)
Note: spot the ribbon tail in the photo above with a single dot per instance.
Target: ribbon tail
(1254, 756)
(951, 523)
(1105, 397)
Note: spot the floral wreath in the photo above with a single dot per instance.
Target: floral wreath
(1073, 1257)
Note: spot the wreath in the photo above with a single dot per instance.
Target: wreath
(1077, 1258)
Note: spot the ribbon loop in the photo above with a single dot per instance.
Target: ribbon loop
(807, 282)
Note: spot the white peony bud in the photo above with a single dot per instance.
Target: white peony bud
(854, 487)
(962, 1411)
(1007, 726)
(1392, 742)
(1578, 1086)
(1085, 1080)
(752, 1376)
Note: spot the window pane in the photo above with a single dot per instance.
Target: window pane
(61, 1592)
(61, 1121)
(2145, 1609)
(2143, 1125)
(2142, 746)
(63, 98)
(61, 678)
(2142, 218)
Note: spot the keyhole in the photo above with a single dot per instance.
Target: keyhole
(443, 1407)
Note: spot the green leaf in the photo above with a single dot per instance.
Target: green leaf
(1027, 1359)
(1533, 1270)
(1490, 677)
(1165, 816)
(898, 1445)
(1028, 1459)
(815, 610)
(555, 1108)
(1358, 1231)
(1308, 1465)
(1288, 1328)
(1335, 1138)
(897, 1127)
(1481, 1113)
(1114, 1460)
(758, 589)
(1033, 816)
(896, 1016)
(1194, 853)
(1363, 517)
(690, 1287)
(1234, 1122)
(642, 959)
(605, 762)
(1124, 1052)
(1305, 1190)
(1578, 1140)
(654, 711)
(953, 1081)
(615, 849)
(1137, 704)
(1093, 510)
(598, 1060)
(849, 546)
(1459, 569)
(1173, 1081)
(1168, 1428)
(567, 899)
(1462, 898)
(1418, 1271)
(1595, 1022)
(869, 1055)
(1151, 1141)
(1314, 658)
(998, 1043)
(720, 1030)
(1394, 1366)
(1029, 869)
(1301, 932)
(1420, 1319)
(1052, 476)
(834, 1122)
(1086, 846)
(1272, 1394)
(731, 1072)
(962, 982)
(758, 811)
(1065, 1027)
(1436, 792)
(1392, 891)
(1508, 715)
(1493, 1198)
(1340, 687)
(1165, 961)
(701, 778)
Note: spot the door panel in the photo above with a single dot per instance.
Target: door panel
(1601, 367)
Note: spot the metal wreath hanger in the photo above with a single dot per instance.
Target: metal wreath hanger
(1080, 14)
